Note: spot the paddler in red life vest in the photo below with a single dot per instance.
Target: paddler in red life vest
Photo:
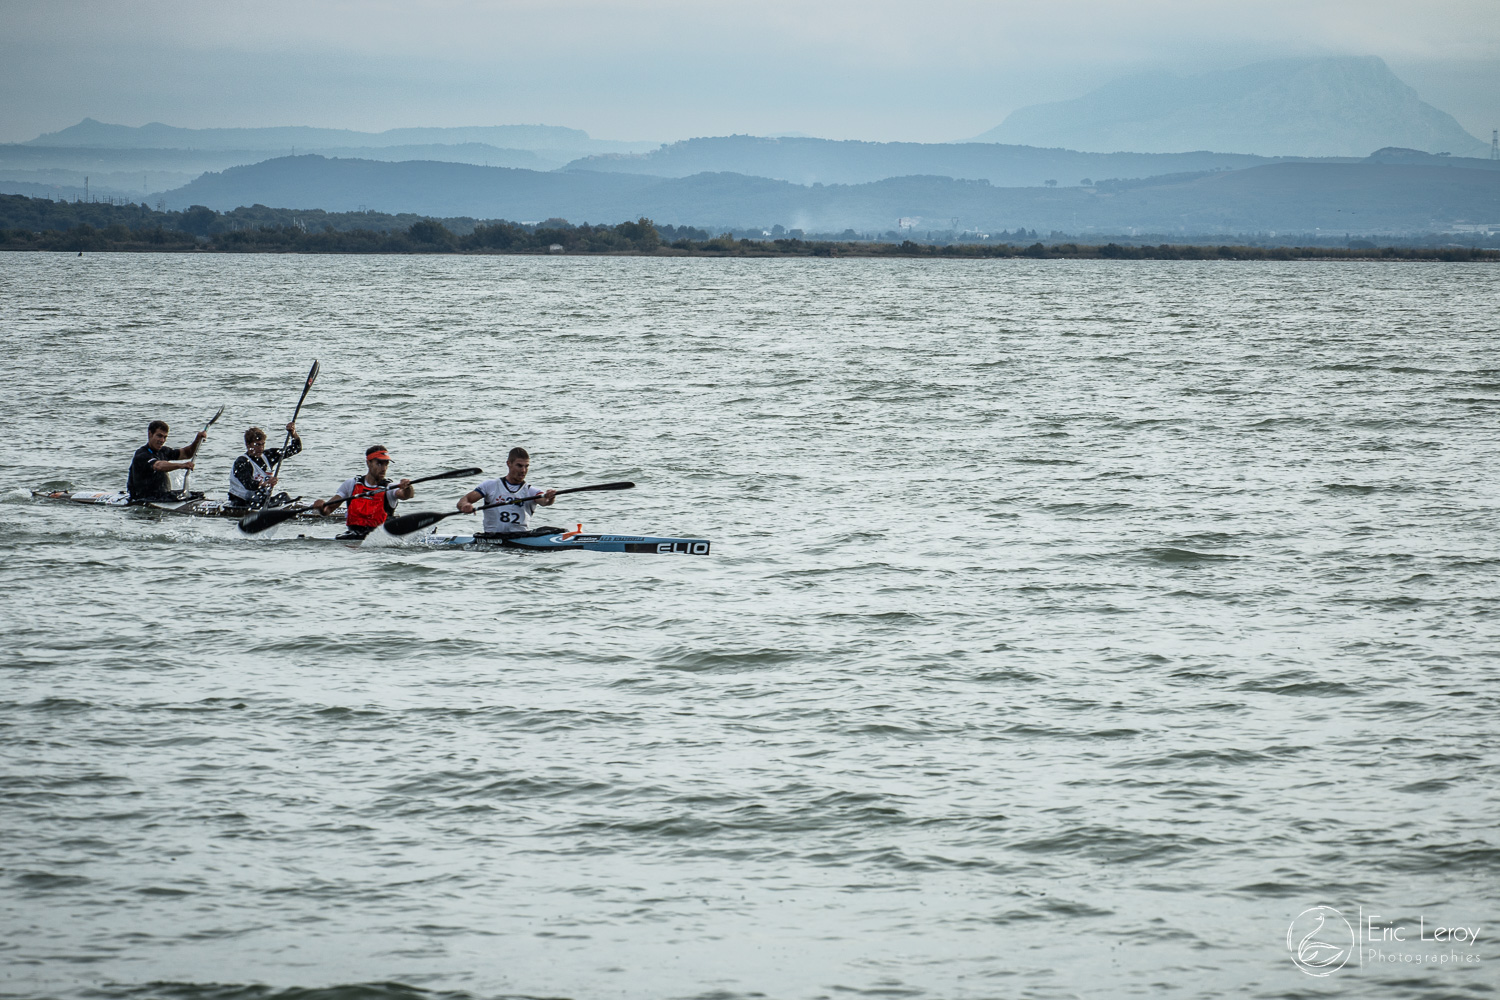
(370, 498)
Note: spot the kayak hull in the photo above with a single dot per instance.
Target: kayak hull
(539, 540)
(193, 505)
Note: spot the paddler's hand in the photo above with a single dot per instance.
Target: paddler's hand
(188, 464)
(465, 506)
(405, 490)
(201, 436)
(317, 506)
(291, 428)
(546, 499)
(275, 480)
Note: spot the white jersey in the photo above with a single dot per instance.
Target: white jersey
(511, 517)
(260, 475)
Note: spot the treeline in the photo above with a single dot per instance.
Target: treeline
(94, 226)
(643, 237)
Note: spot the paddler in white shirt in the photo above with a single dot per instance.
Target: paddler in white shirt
(250, 480)
(508, 518)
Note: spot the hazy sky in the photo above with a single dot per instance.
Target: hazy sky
(921, 70)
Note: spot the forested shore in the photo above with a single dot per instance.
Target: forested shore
(75, 227)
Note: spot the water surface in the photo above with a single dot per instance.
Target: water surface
(1071, 626)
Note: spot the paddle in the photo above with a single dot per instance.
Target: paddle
(407, 523)
(312, 376)
(206, 426)
(260, 520)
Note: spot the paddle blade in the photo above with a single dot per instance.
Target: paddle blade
(312, 376)
(601, 486)
(454, 474)
(405, 524)
(214, 419)
(262, 520)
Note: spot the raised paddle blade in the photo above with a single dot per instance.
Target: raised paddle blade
(214, 419)
(312, 376)
(405, 524)
(261, 520)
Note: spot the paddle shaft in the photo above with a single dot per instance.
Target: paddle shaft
(312, 376)
(558, 493)
(407, 523)
(262, 519)
(188, 472)
(424, 479)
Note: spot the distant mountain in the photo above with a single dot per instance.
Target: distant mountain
(282, 139)
(1365, 197)
(829, 161)
(1290, 107)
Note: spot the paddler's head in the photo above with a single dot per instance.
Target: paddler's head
(156, 433)
(377, 460)
(516, 465)
(255, 442)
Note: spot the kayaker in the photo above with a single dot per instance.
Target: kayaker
(508, 519)
(152, 461)
(251, 480)
(371, 498)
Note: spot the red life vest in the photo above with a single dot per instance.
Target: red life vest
(367, 506)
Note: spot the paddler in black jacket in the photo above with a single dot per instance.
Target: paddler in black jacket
(251, 480)
(153, 460)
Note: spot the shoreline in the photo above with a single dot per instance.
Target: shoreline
(834, 251)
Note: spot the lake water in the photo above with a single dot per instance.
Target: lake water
(1071, 628)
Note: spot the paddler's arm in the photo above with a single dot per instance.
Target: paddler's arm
(173, 463)
(545, 499)
(468, 500)
(192, 449)
(404, 490)
(294, 447)
(328, 506)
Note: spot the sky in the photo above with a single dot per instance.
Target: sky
(918, 70)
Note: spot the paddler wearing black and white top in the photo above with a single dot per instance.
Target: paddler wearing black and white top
(251, 481)
(371, 498)
(508, 518)
(147, 479)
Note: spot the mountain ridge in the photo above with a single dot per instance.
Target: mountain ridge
(1362, 197)
(1312, 107)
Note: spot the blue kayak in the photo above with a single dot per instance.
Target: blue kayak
(555, 540)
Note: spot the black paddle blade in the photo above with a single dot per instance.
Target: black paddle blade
(312, 376)
(260, 520)
(405, 524)
(613, 486)
(455, 474)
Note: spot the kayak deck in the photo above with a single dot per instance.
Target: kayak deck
(557, 541)
(538, 540)
(195, 504)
